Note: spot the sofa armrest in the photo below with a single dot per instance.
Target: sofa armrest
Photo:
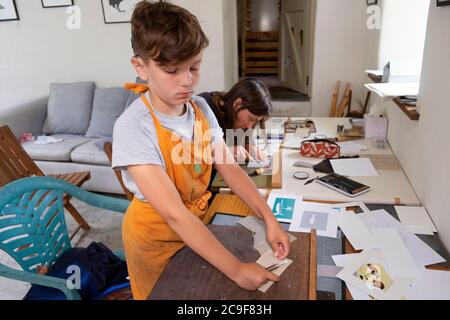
(29, 117)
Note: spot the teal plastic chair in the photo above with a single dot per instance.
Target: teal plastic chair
(33, 230)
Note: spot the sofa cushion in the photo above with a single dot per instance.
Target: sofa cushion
(55, 152)
(108, 105)
(69, 107)
(90, 153)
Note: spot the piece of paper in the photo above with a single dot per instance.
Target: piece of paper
(355, 231)
(343, 261)
(369, 272)
(352, 148)
(266, 260)
(430, 285)
(284, 205)
(416, 219)
(320, 218)
(361, 167)
(260, 164)
(422, 254)
(390, 90)
(258, 228)
(394, 250)
(375, 72)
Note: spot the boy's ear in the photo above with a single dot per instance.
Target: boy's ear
(139, 66)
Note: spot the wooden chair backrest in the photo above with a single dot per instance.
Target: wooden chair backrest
(15, 163)
(108, 150)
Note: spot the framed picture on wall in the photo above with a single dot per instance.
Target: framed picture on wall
(118, 11)
(441, 3)
(56, 3)
(372, 2)
(8, 10)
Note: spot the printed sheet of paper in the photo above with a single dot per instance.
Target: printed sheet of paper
(355, 231)
(361, 167)
(284, 205)
(416, 219)
(343, 261)
(369, 273)
(320, 218)
(267, 260)
(394, 250)
(422, 254)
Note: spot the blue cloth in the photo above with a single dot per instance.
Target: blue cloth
(100, 269)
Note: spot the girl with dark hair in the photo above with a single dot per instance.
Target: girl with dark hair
(245, 105)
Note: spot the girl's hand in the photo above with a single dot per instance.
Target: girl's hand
(278, 239)
(251, 276)
(240, 154)
(257, 153)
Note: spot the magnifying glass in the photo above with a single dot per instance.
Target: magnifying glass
(301, 175)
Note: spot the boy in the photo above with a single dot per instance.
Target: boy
(171, 200)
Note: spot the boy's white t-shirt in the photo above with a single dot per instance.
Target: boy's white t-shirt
(135, 141)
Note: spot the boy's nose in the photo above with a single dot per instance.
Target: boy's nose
(186, 78)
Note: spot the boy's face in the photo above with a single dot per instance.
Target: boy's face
(174, 84)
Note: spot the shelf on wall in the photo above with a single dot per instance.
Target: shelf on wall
(410, 111)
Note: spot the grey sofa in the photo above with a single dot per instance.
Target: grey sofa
(83, 116)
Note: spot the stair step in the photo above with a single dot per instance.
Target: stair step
(262, 45)
(264, 36)
(261, 64)
(261, 70)
(256, 54)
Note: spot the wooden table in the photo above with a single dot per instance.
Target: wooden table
(189, 277)
(390, 187)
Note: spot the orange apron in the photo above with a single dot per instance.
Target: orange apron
(148, 240)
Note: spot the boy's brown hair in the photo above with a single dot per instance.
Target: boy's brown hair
(165, 33)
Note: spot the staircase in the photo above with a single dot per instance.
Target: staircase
(259, 49)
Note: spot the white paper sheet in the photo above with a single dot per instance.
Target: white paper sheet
(352, 148)
(361, 167)
(422, 254)
(389, 90)
(416, 219)
(431, 285)
(266, 260)
(394, 250)
(355, 231)
(375, 72)
(321, 218)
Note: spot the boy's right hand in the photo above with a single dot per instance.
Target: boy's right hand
(251, 276)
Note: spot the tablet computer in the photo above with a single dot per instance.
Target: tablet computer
(343, 185)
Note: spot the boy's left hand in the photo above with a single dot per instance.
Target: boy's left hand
(278, 239)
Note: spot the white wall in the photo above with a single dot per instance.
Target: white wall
(402, 37)
(39, 49)
(339, 53)
(423, 146)
(230, 31)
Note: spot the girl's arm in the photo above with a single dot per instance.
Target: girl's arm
(162, 195)
(244, 188)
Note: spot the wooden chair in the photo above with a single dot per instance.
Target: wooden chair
(108, 150)
(338, 111)
(16, 164)
(33, 230)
